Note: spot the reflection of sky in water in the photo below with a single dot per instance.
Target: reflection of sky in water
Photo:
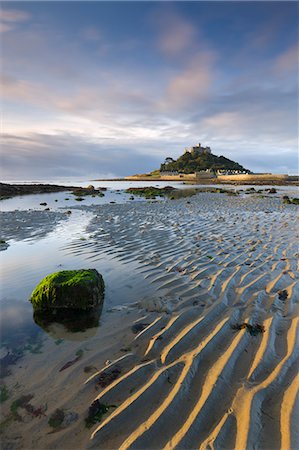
(25, 263)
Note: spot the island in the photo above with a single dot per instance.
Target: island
(199, 165)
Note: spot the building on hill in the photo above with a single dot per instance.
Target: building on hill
(199, 159)
(198, 150)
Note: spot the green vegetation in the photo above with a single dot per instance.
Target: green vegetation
(4, 394)
(21, 402)
(150, 192)
(288, 201)
(191, 162)
(90, 190)
(56, 419)
(67, 289)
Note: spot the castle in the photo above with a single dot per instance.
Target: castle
(198, 150)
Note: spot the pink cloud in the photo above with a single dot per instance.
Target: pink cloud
(192, 83)
(175, 34)
(14, 15)
(288, 60)
(4, 27)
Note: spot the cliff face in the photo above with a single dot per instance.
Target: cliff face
(192, 162)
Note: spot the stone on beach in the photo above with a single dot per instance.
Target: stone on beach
(69, 289)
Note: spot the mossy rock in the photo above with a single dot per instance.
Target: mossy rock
(69, 289)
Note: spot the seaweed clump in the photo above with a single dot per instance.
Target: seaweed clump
(56, 419)
(150, 192)
(286, 199)
(108, 377)
(254, 330)
(96, 412)
(89, 190)
(4, 394)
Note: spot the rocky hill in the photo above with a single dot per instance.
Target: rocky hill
(200, 158)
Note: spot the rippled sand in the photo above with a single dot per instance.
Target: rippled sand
(188, 379)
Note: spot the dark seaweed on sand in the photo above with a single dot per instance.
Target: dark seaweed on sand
(96, 412)
(254, 330)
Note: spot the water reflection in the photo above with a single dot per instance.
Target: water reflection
(19, 335)
(62, 324)
(17, 328)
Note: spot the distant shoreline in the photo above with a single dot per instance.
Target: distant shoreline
(12, 190)
(293, 181)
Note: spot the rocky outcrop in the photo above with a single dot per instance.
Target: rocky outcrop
(11, 190)
(69, 290)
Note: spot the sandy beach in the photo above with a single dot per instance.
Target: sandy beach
(204, 356)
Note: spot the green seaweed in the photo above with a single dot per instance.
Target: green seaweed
(79, 353)
(34, 349)
(77, 281)
(4, 393)
(150, 192)
(21, 402)
(96, 412)
(56, 419)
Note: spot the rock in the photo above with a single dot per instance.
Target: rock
(69, 289)
(272, 191)
(43, 204)
(3, 245)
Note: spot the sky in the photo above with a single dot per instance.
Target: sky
(104, 89)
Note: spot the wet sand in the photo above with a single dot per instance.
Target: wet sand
(176, 369)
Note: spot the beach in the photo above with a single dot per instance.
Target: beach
(197, 343)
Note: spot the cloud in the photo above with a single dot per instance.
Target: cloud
(288, 61)
(191, 84)
(70, 155)
(13, 17)
(4, 27)
(175, 34)
(175, 86)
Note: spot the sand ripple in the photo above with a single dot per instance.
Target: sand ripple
(190, 379)
(217, 261)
